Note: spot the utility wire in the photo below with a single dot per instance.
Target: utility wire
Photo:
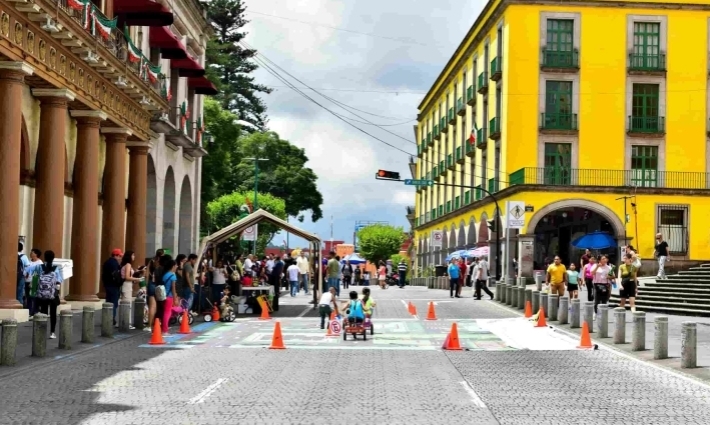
(355, 90)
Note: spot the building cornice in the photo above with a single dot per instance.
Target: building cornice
(63, 93)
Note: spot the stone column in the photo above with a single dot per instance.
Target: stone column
(50, 170)
(86, 207)
(12, 76)
(137, 193)
(525, 255)
(114, 194)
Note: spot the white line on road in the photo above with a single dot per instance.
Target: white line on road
(474, 397)
(305, 311)
(200, 398)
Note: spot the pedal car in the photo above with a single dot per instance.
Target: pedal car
(354, 329)
(367, 324)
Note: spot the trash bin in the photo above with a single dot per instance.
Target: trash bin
(440, 270)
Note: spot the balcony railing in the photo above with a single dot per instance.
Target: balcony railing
(469, 147)
(479, 193)
(460, 107)
(482, 82)
(451, 116)
(428, 139)
(433, 213)
(481, 138)
(441, 211)
(459, 153)
(492, 185)
(647, 62)
(558, 121)
(496, 68)
(494, 126)
(562, 176)
(647, 124)
(560, 59)
(471, 94)
(436, 130)
(442, 125)
(448, 207)
(435, 172)
(442, 166)
(450, 161)
(457, 202)
(467, 197)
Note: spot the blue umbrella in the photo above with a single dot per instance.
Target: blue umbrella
(455, 254)
(354, 259)
(596, 240)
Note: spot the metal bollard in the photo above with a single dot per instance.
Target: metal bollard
(65, 329)
(589, 315)
(575, 314)
(528, 297)
(138, 309)
(107, 320)
(638, 331)
(563, 312)
(87, 324)
(535, 295)
(39, 335)
(521, 297)
(603, 321)
(553, 304)
(689, 345)
(619, 325)
(544, 303)
(8, 342)
(124, 315)
(660, 338)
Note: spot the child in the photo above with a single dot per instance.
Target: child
(366, 278)
(324, 306)
(573, 279)
(367, 303)
(224, 303)
(354, 310)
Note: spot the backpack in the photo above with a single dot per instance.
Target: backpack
(20, 266)
(47, 285)
(116, 279)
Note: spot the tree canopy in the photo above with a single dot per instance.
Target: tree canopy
(378, 242)
(225, 210)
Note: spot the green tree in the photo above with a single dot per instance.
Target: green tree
(217, 177)
(378, 242)
(230, 67)
(225, 210)
(284, 175)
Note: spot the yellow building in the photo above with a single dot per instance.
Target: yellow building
(573, 107)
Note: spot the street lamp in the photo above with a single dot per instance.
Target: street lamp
(256, 178)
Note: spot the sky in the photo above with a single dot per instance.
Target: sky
(379, 57)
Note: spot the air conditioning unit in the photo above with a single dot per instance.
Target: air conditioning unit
(50, 26)
(144, 101)
(121, 82)
(91, 57)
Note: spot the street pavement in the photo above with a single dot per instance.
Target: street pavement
(223, 373)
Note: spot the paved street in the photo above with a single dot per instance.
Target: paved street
(510, 373)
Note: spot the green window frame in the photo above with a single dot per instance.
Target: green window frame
(560, 35)
(558, 163)
(558, 104)
(647, 45)
(644, 107)
(644, 166)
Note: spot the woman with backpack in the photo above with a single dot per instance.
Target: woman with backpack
(48, 285)
(165, 291)
(127, 278)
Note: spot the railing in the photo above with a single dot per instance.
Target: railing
(647, 124)
(448, 207)
(482, 80)
(495, 66)
(442, 123)
(459, 154)
(433, 213)
(436, 130)
(467, 197)
(450, 160)
(481, 137)
(563, 176)
(457, 202)
(428, 138)
(558, 121)
(494, 125)
(647, 62)
(428, 175)
(442, 166)
(459, 104)
(470, 92)
(560, 59)
(410, 210)
(479, 193)
(451, 114)
(469, 147)
(492, 185)
(435, 171)
(441, 211)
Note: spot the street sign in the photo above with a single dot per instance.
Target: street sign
(437, 236)
(413, 182)
(515, 214)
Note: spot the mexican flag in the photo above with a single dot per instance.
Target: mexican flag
(472, 137)
(134, 53)
(102, 25)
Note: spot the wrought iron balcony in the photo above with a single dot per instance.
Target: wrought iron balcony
(647, 125)
(645, 62)
(451, 116)
(459, 155)
(494, 128)
(496, 69)
(558, 121)
(563, 176)
(481, 138)
(467, 197)
(483, 82)
(562, 60)
(442, 125)
(493, 185)
(471, 95)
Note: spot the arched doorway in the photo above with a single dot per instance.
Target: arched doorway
(461, 244)
(471, 237)
(169, 211)
(151, 210)
(185, 232)
(556, 225)
(483, 230)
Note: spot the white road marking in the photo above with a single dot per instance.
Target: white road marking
(474, 397)
(405, 304)
(306, 310)
(200, 398)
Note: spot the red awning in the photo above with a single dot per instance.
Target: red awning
(169, 45)
(188, 67)
(202, 86)
(142, 13)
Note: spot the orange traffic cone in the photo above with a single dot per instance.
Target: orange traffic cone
(157, 337)
(215, 313)
(185, 325)
(277, 341)
(265, 313)
(585, 341)
(528, 309)
(431, 314)
(452, 341)
(410, 308)
(330, 331)
(414, 310)
(541, 322)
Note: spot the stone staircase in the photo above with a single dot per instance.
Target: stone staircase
(686, 293)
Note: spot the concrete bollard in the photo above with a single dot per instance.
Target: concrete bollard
(603, 321)
(124, 315)
(545, 304)
(638, 331)
(689, 345)
(65, 329)
(39, 335)
(522, 281)
(8, 342)
(107, 320)
(619, 325)
(552, 306)
(521, 297)
(538, 280)
(138, 309)
(535, 295)
(503, 293)
(510, 295)
(588, 315)
(575, 314)
(87, 324)
(528, 297)
(660, 338)
(563, 312)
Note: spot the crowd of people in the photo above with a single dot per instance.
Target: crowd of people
(473, 272)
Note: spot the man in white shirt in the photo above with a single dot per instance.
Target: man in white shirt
(482, 279)
(248, 264)
(304, 269)
(269, 264)
(292, 271)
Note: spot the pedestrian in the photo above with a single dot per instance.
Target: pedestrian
(589, 278)
(31, 282)
(661, 252)
(292, 271)
(347, 274)
(469, 270)
(333, 269)
(111, 278)
(573, 280)
(304, 269)
(358, 276)
(462, 276)
(188, 273)
(168, 280)
(22, 264)
(48, 288)
(584, 259)
(326, 305)
(128, 279)
(366, 278)
(482, 279)
(454, 272)
(627, 272)
(602, 272)
(219, 280)
(402, 270)
(154, 273)
(382, 275)
(556, 278)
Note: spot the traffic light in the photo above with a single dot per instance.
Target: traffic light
(491, 225)
(388, 175)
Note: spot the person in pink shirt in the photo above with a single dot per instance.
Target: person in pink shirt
(589, 278)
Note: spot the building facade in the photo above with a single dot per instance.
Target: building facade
(589, 113)
(102, 130)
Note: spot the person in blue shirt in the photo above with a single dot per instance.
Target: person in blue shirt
(454, 272)
(48, 306)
